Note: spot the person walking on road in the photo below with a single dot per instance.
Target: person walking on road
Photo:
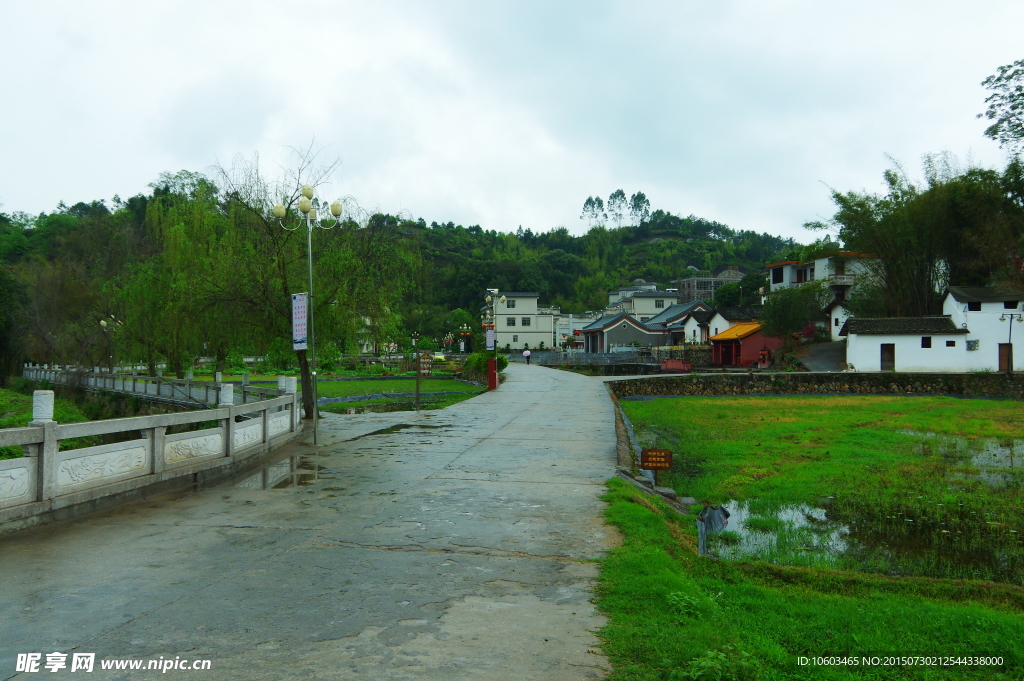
(526, 354)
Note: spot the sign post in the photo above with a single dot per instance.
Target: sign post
(656, 460)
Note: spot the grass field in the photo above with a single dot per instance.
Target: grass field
(16, 412)
(674, 615)
(861, 524)
(427, 385)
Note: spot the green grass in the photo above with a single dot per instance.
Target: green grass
(674, 615)
(796, 449)
(427, 385)
(16, 412)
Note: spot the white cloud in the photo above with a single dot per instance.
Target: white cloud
(502, 114)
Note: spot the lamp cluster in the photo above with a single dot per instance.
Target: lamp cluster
(487, 318)
(306, 206)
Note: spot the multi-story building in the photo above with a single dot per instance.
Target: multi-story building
(520, 322)
(839, 270)
(703, 287)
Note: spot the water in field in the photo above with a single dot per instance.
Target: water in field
(956, 536)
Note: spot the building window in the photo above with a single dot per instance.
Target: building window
(510, 321)
(515, 339)
(1010, 304)
(950, 344)
(644, 319)
(694, 333)
(510, 303)
(837, 322)
(926, 341)
(974, 306)
(972, 345)
(777, 275)
(716, 330)
(526, 321)
(659, 303)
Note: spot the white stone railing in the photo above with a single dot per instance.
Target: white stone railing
(160, 388)
(47, 479)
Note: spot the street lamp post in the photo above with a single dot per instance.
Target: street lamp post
(464, 335)
(492, 301)
(1009, 338)
(308, 210)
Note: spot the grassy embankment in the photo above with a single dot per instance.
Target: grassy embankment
(427, 385)
(683, 616)
(16, 412)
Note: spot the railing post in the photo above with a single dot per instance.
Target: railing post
(265, 414)
(42, 415)
(157, 437)
(225, 400)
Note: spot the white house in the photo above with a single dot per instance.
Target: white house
(913, 344)
(837, 316)
(520, 322)
(694, 327)
(984, 312)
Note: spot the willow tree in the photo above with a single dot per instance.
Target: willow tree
(359, 265)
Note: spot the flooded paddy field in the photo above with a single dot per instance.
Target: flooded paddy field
(899, 486)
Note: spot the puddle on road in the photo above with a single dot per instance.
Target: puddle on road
(295, 471)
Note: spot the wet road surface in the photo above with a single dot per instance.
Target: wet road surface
(452, 544)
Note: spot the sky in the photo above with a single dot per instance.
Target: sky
(502, 114)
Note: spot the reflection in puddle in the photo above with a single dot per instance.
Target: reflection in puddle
(293, 471)
(790, 534)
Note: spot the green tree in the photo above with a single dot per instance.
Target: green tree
(788, 310)
(1006, 106)
(617, 206)
(639, 208)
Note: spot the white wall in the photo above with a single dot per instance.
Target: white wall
(864, 352)
(837, 312)
(985, 327)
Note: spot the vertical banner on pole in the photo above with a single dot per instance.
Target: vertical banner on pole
(490, 339)
(299, 336)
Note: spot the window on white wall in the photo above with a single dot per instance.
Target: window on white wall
(526, 321)
(837, 322)
(926, 341)
(511, 303)
(950, 344)
(659, 303)
(974, 306)
(510, 321)
(515, 338)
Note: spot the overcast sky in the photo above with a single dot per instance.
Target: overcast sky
(499, 113)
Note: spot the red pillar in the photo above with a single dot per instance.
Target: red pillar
(492, 373)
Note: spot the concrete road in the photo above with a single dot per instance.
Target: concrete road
(826, 356)
(455, 544)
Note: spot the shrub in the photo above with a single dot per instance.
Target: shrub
(477, 362)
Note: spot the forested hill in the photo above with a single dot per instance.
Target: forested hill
(155, 276)
(576, 272)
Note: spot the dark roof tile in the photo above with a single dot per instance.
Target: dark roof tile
(895, 326)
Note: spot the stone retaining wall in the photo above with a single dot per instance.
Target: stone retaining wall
(975, 385)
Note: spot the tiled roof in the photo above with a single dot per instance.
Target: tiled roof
(518, 294)
(741, 330)
(740, 314)
(910, 326)
(654, 294)
(674, 311)
(984, 294)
